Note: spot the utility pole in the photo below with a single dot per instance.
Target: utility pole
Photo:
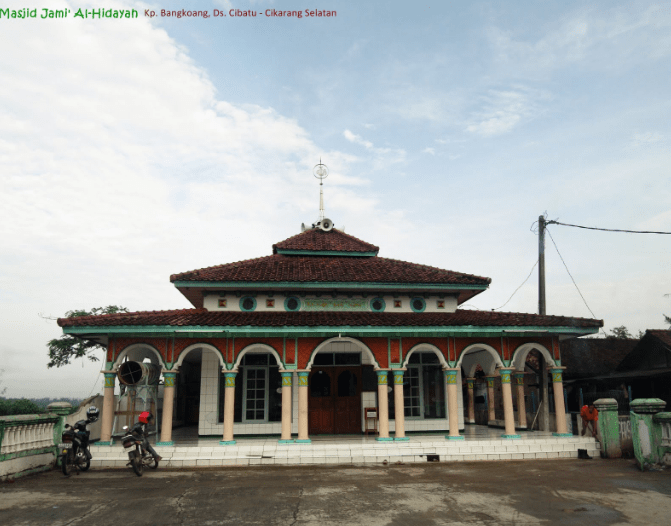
(541, 265)
(544, 422)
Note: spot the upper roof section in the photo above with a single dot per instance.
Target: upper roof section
(316, 241)
(318, 261)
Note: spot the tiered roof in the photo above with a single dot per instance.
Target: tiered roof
(205, 318)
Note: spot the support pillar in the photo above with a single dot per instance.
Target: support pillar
(609, 428)
(544, 397)
(521, 405)
(383, 405)
(560, 409)
(287, 377)
(491, 406)
(229, 408)
(108, 410)
(470, 384)
(507, 392)
(169, 378)
(303, 408)
(452, 404)
(399, 406)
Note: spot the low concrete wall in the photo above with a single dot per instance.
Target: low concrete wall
(27, 444)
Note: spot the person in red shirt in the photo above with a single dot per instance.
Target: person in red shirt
(590, 416)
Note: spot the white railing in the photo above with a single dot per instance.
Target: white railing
(26, 443)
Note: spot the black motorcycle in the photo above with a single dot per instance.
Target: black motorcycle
(133, 444)
(74, 446)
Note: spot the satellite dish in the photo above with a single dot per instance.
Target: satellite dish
(326, 224)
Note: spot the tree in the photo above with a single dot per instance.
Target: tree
(620, 333)
(68, 347)
(667, 319)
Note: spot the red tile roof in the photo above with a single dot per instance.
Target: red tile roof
(205, 318)
(661, 335)
(340, 269)
(318, 240)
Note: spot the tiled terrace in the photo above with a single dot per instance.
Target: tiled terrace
(481, 443)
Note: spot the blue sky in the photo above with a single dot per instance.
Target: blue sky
(134, 149)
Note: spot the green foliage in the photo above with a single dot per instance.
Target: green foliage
(20, 406)
(67, 347)
(620, 333)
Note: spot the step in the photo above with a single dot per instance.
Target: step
(355, 453)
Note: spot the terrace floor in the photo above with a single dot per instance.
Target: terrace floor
(480, 443)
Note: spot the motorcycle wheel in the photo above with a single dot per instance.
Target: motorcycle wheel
(65, 464)
(152, 462)
(83, 461)
(137, 464)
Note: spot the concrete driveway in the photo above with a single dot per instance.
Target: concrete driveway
(569, 492)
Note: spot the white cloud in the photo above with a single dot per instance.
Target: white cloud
(644, 139)
(121, 166)
(503, 110)
(383, 157)
(612, 38)
(432, 151)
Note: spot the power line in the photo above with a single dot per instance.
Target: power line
(569, 273)
(518, 288)
(607, 229)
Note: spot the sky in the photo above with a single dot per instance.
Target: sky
(132, 149)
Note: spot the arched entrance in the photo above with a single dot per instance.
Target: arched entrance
(335, 385)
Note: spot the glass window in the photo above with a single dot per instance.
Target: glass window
(347, 358)
(424, 390)
(347, 384)
(255, 397)
(323, 358)
(411, 399)
(320, 384)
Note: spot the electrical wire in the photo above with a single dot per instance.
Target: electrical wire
(607, 229)
(518, 288)
(574, 283)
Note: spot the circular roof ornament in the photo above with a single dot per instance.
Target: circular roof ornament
(320, 171)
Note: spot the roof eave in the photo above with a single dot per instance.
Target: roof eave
(327, 330)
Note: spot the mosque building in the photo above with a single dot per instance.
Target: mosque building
(323, 333)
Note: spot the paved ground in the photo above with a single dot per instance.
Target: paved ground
(572, 492)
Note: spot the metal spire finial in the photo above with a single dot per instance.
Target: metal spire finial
(321, 172)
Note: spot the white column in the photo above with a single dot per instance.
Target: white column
(453, 404)
(560, 409)
(108, 409)
(229, 408)
(507, 393)
(303, 408)
(169, 378)
(286, 406)
(399, 406)
(383, 405)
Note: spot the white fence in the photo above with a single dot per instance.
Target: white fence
(27, 444)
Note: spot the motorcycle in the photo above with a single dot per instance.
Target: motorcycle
(74, 446)
(138, 456)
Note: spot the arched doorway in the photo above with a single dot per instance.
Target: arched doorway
(335, 381)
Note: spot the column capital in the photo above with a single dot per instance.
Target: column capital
(505, 373)
(553, 368)
(230, 378)
(451, 375)
(470, 383)
(110, 378)
(398, 376)
(556, 373)
(382, 376)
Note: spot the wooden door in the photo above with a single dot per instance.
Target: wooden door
(321, 402)
(347, 400)
(335, 400)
